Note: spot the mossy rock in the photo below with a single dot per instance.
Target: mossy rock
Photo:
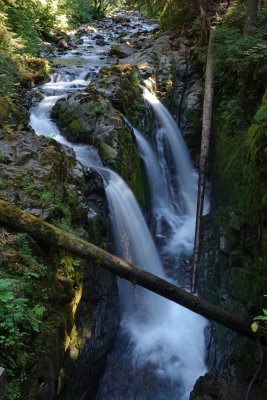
(108, 154)
(88, 117)
(120, 85)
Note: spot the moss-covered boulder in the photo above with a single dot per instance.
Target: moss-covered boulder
(89, 117)
(120, 85)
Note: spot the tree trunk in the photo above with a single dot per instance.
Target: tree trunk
(17, 219)
(251, 17)
(3, 382)
(204, 22)
(206, 125)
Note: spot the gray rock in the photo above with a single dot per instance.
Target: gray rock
(121, 50)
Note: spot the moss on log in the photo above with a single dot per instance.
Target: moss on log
(15, 218)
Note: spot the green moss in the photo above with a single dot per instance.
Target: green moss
(130, 168)
(239, 283)
(4, 158)
(107, 153)
(75, 126)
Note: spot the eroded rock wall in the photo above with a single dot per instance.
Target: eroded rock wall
(72, 303)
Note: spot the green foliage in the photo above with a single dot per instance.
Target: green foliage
(260, 321)
(77, 11)
(4, 158)
(138, 108)
(171, 13)
(151, 8)
(47, 198)
(261, 115)
(18, 320)
(176, 14)
(95, 108)
(29, 20)
(9, 74)
(239, 64)
(233, 118)
(23, 243)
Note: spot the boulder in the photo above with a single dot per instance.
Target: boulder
(120, 85)
(62, 44)
(121, 50)
(100, 42)
(89, 117)
(98, 36)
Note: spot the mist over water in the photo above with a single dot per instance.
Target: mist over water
(159, 352)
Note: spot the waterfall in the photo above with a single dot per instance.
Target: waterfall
(160, 346)
(186, 176)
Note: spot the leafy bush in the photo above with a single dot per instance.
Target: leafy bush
(176, 14)
(261, 114)
(77, 11)
(17, 319)
(232, 116)
(239, 64)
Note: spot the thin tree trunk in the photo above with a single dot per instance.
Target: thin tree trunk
(3, 382)
(17, 219)
(251, 17)
(206, 125)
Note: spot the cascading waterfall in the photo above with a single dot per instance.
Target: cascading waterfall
(186, 176)
(161, 336)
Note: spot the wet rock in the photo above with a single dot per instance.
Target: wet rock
(120, 85)
(62, 44)
(79, 42)
(53, 188)
(89, 117)
(98, 36)
(118, 18)
(35, 161)
(100, 42)
(121, 50)
(37, 97)
(145, 70)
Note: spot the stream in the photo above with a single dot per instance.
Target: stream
(159, 351)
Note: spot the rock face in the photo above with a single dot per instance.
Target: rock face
(233, 263)
(77, 301)
(233, 259)
(161, 63)
(92, 117)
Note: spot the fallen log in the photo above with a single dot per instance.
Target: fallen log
(15, 218)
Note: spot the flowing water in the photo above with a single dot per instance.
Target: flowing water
(159, 350)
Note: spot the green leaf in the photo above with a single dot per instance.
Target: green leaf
(260, 318)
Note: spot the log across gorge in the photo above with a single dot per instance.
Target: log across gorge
(15, 218)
